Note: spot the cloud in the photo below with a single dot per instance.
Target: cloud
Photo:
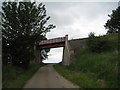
(78, 0)
(78, 19)
(66, 0)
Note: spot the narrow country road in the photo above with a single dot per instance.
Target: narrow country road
(47, 77)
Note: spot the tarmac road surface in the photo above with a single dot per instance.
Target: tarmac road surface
(47, 77)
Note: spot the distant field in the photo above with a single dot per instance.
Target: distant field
(93, 70)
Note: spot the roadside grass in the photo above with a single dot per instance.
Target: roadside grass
(94, 70)
(16, 77)
(103, 66)
(78, 78)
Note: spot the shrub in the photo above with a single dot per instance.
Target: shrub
(99, 44)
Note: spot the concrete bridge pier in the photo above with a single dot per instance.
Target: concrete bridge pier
(66, 53)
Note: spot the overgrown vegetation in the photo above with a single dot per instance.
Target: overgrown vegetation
(84, 80)
(94, 68)
(106, 43)
(16, 77)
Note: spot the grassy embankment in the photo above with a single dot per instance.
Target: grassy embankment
(15, 77)
(94, 70)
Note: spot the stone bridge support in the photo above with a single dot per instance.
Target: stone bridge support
(67, 53)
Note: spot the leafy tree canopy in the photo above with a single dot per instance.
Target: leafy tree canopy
(113, 24)
(23, 25)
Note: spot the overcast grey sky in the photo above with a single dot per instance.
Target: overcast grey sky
(77, 19)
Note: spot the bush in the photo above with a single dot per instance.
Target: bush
(99, 44)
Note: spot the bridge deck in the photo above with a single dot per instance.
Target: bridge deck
(52, 43)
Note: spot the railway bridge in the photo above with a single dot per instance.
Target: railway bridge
(54, 43)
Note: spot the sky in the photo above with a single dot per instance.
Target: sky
(77, 19)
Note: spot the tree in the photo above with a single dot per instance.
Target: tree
(23, 26)
(113, 24)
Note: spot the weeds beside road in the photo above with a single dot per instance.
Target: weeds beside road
(16, 77)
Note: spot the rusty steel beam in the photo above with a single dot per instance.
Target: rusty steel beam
(52, 46)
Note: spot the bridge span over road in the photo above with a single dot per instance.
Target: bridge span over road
(54, 43)
(70, 48)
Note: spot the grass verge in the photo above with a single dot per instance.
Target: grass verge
(18, 76)
(81, 79)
